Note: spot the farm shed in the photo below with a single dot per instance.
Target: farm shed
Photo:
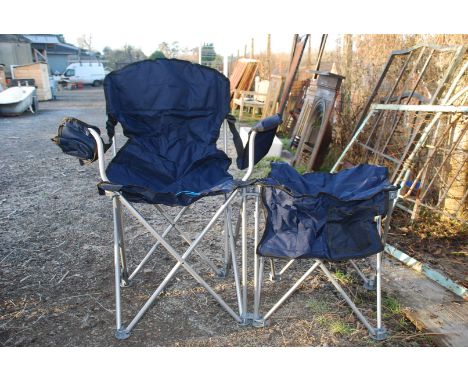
(54, 49)
(14, 50)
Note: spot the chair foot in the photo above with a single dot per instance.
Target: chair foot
(275, 277)
(124, 280)
(247, 319)
(125, 283)
(370, 284)
(380, 334)
(121, 334)
(260, 323)
(222, 274)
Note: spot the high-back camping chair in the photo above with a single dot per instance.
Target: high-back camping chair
(171, 112)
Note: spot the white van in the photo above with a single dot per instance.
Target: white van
(88, 73)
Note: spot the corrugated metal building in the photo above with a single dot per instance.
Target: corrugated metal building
(14, 50)
(23, 49)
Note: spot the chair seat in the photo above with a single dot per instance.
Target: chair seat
(158, 170)
(322, 215)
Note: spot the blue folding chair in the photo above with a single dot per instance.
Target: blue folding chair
(325, 217)
(171, 112)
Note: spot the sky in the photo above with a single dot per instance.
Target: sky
(229, 44)
(230, 24)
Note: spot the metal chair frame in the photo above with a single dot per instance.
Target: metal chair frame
(374, 282)
(122, 277)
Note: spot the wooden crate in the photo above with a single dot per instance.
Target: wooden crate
(40, 73)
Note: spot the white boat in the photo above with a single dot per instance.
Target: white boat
(17, 99)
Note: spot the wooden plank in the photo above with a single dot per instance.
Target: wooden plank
(40, 73)
(2, 77)
(428, 272)
(427, 304)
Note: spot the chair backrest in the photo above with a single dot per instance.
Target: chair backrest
(272, 96)
(261, 87)
(168, 97)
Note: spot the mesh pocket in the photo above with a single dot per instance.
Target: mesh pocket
(352, 233)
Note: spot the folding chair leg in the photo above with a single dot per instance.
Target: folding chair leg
(276, 276)
(380, 332)
(120, 332)
(155, 246)
(244, 254)
(189, 242)
(273, 274)
(258, 282)
(238, 225)
(227, 254)
(232, 245)
(181, 262)
(257, 263)
(123, 260)
(291, 291)
(377, 333)
(368, 282)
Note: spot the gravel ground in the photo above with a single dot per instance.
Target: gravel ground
(56, 262)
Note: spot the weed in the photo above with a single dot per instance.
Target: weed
(343, 277)
(340, 327)
(391, 306)
(321, 319)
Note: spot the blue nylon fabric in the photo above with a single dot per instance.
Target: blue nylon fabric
(322, 215)
(171, 111)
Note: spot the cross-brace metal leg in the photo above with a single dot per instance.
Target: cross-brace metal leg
(181, 262)
(377, 332)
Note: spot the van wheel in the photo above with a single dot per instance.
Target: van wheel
(97, 83)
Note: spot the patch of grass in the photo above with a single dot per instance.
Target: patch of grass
(342, 277)
(287, 145)
(301, 169)
(322, 320)
(318, 306)
(246, 117)
(340, 327)
(391, 307)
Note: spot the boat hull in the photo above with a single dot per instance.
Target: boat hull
(16, 100)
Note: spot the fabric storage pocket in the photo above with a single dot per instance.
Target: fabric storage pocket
(280, 236)
(352, 233)
(74, 138)
(76, 148)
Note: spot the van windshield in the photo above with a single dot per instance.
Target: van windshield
(70, 72)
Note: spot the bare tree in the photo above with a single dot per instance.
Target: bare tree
(85, 42)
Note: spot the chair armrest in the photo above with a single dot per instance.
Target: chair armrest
(100, 147)
(267, 124)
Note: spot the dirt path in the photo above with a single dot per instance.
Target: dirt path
(56, 263)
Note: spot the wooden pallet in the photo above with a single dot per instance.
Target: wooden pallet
(243, 74)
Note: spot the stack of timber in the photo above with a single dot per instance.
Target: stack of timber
(40, 73)
(3, 83)
(243, 74)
